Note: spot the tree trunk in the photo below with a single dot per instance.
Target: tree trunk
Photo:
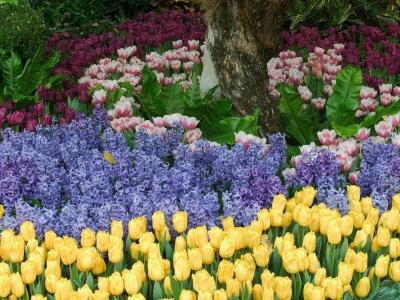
(242, 35)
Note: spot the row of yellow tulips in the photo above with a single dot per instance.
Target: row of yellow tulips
(293, 250)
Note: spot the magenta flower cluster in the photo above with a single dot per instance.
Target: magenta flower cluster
(375, 50)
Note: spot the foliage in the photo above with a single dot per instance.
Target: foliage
(187, 5)
(22, 28)
(87, 16)
(20, 82)
(342, 13)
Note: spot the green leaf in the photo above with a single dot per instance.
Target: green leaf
(295, 125)
(380, 112)
(157, 291)
(342, 104)
(176, 289)
(346, 131)
(172, 97)
(11, 68)
(150, 96)
(192, 95)
(90, 281)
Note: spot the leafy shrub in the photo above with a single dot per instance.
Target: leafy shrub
(341, 13)
(21, 28)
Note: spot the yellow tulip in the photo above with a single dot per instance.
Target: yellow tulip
(315, 222)
(216, 236)
(309, 242)
(333, 288)
(132, 283)
(27, 230)
(283, 287)
(187, 295)
(244, 270)
(49, 239)
(290, 261)
(68, 251)
(383, 236)
(158, 221)
(103, 284)
(360, 262)
(228, 223)
(233, 287)
(195, 259)
(86, 259)
(179, 221)
(203, 282)
(204, 296)
(155, 269)
(261, 255)
(307, 195)
(287, 219)
(145, 240)
(346, 225)
(279, 202)
(28, 272)
(358, 218)
(115, 254)
(382, 266)
(17, 249)
(227, 248)
(38, 297)
(220, 295)
(32, 244)
(334, 234)
(63, 289)
(366, 205)
(137, 227)
(276, 217)
(394, 248)
(392, 220)
(5, 285)
(116, 284)
(225, 271)
(102, 241)
(136, 297)
(394, 271)
(99, 265)
(207, 254)
(4, 269)
(182, 269)
(51, 283)
(153, 251)
(345, 273)
(117, 229)
(302, 215)
(363, 287)
(320, 276)
(17, 286)
(350, 256)
(313, 263)
(88, 238)
(353, 193)
(265, 218)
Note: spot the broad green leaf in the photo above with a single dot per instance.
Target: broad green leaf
(192, 96)
(381, 112)
(157, 291)
(221, 107)
(150, 95)
(172, 97)
(342, 104)
(13, 2)
(11, 68)
(298, 127)
(346, 131)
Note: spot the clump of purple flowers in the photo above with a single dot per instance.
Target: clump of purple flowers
(58, 177)
(380, 173)
(375, 50)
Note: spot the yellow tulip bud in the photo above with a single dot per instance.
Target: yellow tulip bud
(291, 205)
(346, 225)
(287, 219)
(37, 261)
(353, 193)
(345, 273)
(261, 255)
(394, 248)
(307, 291)
(17, 286)
(267, 278)
(28, 272)
(50, 283)
(182, 269)
(86, 259)
(5, 285)
(134, 249)
(225, 271)
(27, 230)
(132, 283)
(309, 242)
(207, 254)
(307, 195)
(313, 263)
(383, 236)
(195, 259)
(333, 288)
(99, 265)
(17, 249)
(265, 219)
(155, 269)
(180, 244)
(153, 251)
(276, 217)
(117, 229)
(163, 235)
(366, 205)
(38, 297)
(49, 239)
(204, 296)
(315, 222)
(179, 221)
(228, 223)
(283, 287)
(334, 234)
(363, 287)
(394, 271)
(227, 248)
(53, 255)
(290, 261)
(373, 215)
(244, 270)
(4, 269)
(103, 284)
(216, 236)
(88, 238)
(102, 241)
(203, 282)
(100, 295)
(187, 295)
(279, 202)
(392, 220)
(220, 295)
(68, 251)
(63, 289)
(268, 293)
(115, 254)
(136, 297)
(32, 244)
(358, 219)
(302, 215)
(320, 276)
(382, 266)
(360, 262)
(158, 221)
(146, 239)
(349, 258)
(116, 284)
(137, 227)
(233, 287)
(54, 268)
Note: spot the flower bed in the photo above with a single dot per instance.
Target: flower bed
(292, 251)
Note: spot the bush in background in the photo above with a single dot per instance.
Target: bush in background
(22, 28)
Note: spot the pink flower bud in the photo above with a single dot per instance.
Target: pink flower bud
(319, 51)
(193, 135)
(396, 91)
(305, 93)
(319, 103)
(345, 162)
(353, 176)
(189, 123)
(177, 44)
(99, 97)
(383, 129)
(385, 88)
(396, 140)
(193, 44)
(362, 134)
(326, 137)
(386, 99)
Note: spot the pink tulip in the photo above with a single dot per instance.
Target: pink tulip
(99, 97)
(383, 129)
(386, 99)
(353, 176)
(396, 140)
(345, 162)
(319, 103)
(326, 137)
(362, 134)
(193, 135)
(177, 44)
(189, 123)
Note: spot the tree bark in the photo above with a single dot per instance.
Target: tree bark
(242, 35)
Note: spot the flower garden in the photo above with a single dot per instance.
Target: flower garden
(121, 177)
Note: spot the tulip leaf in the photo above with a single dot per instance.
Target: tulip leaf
(343, 249)
(74, 275)
(297, 126)
(157, 291)
(90, 281)
(343, 103)
(347, 130)
(246, 293)
(49, 297)
(150, 99)
(169, 252)
(176, 289)
(380, 112)
(276, 261)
